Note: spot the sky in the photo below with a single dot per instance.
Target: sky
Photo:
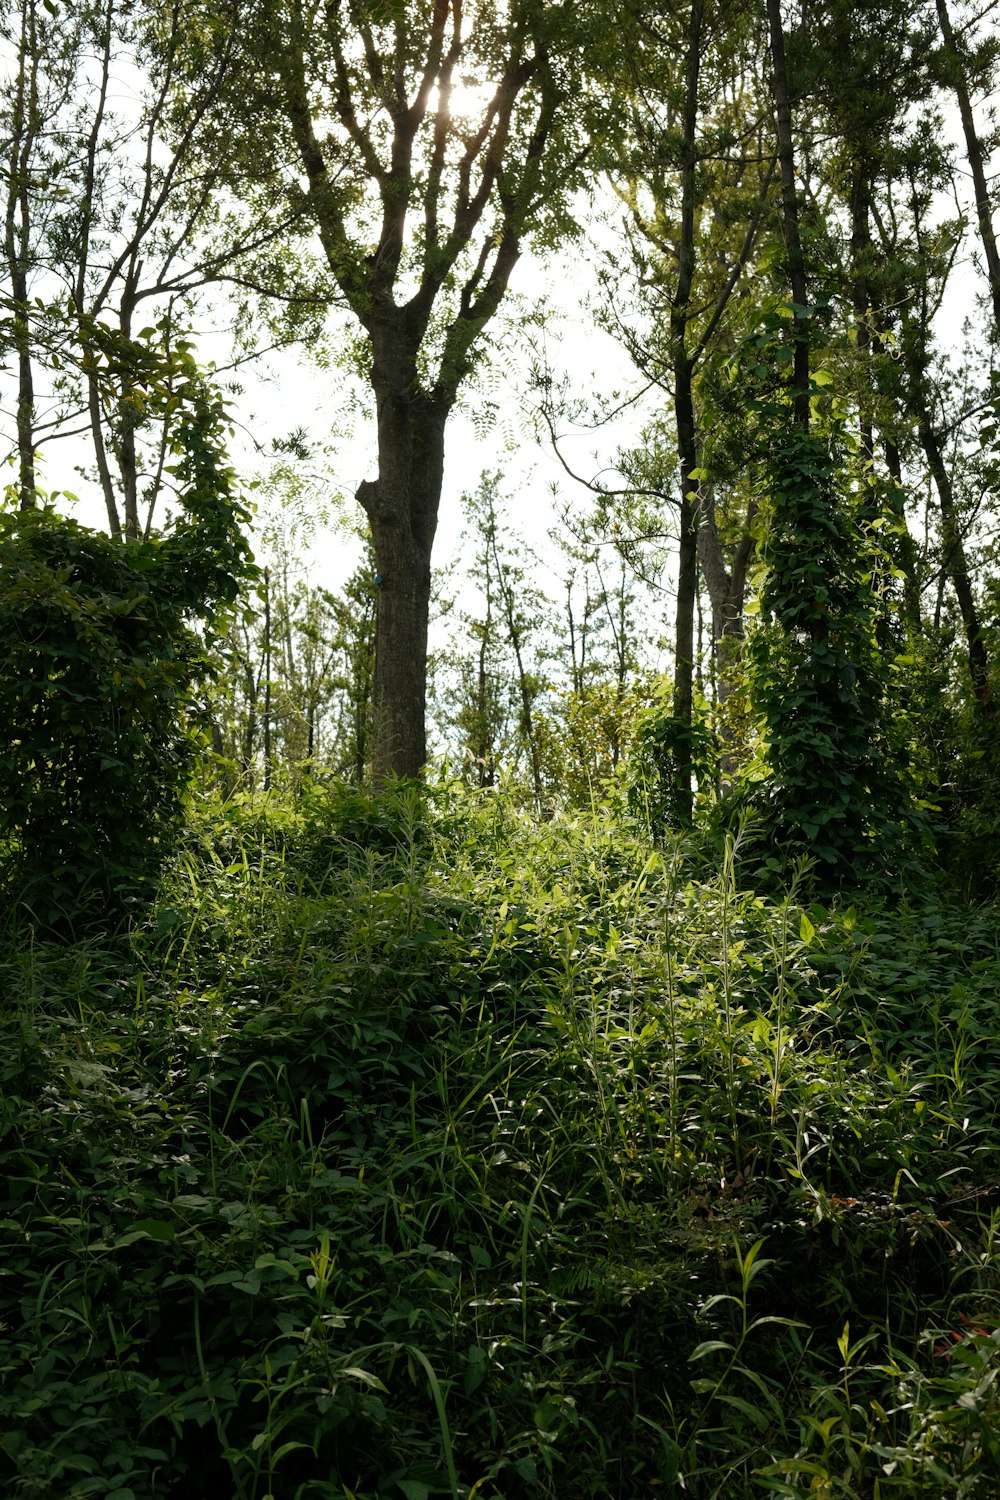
(291, 391)
(492, 429)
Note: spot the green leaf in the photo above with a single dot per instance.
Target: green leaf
(759, 1418)
(364, 1377)
(710, 1346)
(157, 1229)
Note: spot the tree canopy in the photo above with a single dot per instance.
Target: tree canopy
(778, 244)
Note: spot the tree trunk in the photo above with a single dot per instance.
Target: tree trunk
(957, 567)
(687, 435)
(17, 245)
(687, 580)
(906, 547)
(976, 157)
(726, 585)
(790, 215)
(954, 561)
(128, 416)
(861, 298)
(402, 510)
(267, 680)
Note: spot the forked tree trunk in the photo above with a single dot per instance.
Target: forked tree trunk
(726, 586)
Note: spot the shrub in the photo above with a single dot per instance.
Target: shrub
(98, 686)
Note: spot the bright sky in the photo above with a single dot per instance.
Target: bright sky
(294, 393)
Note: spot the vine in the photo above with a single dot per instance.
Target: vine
(106, 647)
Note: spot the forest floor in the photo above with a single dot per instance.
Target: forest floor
(409, 1149)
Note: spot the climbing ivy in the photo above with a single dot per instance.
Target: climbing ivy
(829, 779)
(665, 754)
(105, 647)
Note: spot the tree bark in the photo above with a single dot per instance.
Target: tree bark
(402, 509)
(957, 568)
(974, 152)
(906, 546)
(726, 584)
(790, 215)
(17, 243)
(686, 426)
(954, 561)
(861, 298)
(267, 681)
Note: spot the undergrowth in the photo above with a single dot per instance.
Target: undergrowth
(411, 1148)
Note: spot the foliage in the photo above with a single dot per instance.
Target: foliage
(833, 786)
(292, 694)
(658, 790)
(584, 739)
(492, 702)
(98, 690)
(110, 172)
(411, 1148)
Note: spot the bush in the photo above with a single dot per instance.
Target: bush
(98, 687)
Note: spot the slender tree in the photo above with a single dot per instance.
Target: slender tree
(957, 73)
(112, 227)
(693, 173)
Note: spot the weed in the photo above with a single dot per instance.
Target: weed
(410, 1148)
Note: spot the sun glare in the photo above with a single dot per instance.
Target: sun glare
(468, 98)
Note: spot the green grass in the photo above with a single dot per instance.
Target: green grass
(420, 1150)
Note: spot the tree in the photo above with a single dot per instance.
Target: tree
(293, 695)
(691, 166)
(832, 785)
(432, 140)
(958, 69)
(493, 704)
(353, 674)
(590, 728)
(112, 226)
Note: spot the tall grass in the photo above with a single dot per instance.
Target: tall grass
(411, 1148)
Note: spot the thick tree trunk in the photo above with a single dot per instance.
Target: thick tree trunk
(399, 743)
(402, 510)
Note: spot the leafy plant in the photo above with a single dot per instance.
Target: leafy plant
(98, 689)
(412, 1148)
(831, 783)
